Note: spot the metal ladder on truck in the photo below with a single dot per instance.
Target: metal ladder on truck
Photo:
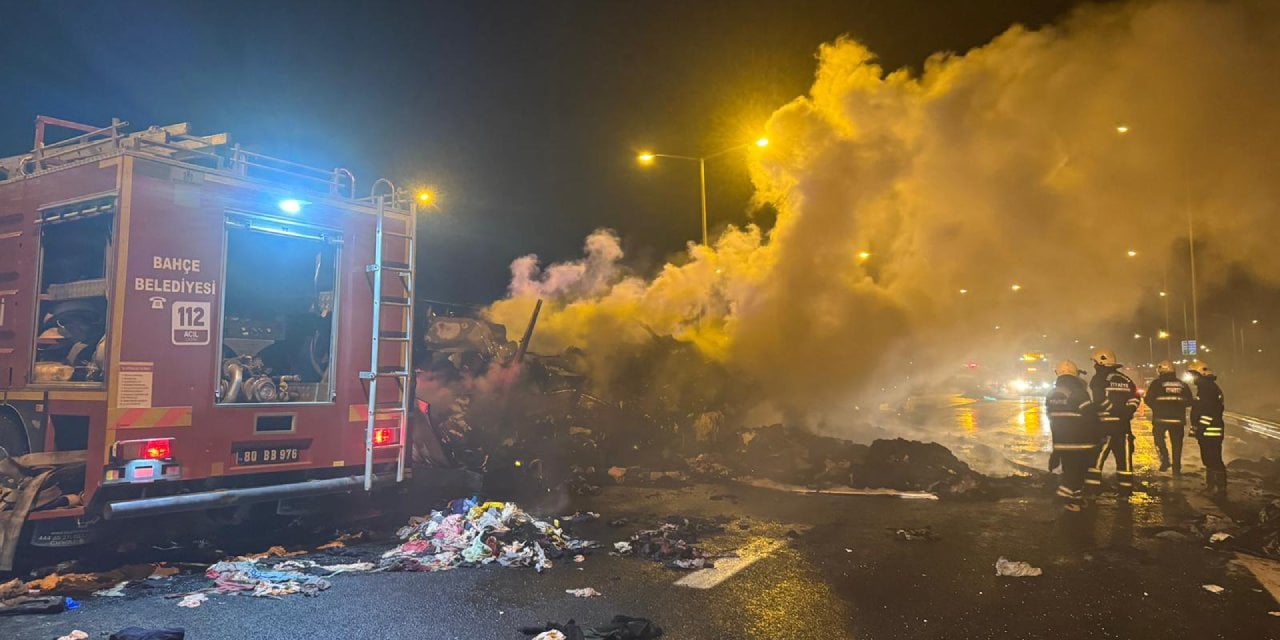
(401, 302)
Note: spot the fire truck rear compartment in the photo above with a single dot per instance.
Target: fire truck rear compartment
(73, 299)
(277, 325)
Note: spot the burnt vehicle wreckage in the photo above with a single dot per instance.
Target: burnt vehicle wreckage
(187, 326)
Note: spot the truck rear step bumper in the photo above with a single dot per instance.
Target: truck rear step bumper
(234, 497)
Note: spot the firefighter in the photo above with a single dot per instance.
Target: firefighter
(1073, 418)
(1168, 398)
(1117, 398)
(1207, 425)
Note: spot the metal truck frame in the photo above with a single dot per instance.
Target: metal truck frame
(169, 399)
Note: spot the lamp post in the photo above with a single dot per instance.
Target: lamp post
(1123, 129)
(648, 157)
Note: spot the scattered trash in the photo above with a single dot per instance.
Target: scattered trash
(690, 563)
(1012, 569)
(341, 541)
(910, 535)
(579, 558)
(1212, 588)
(473, 534)
(33, 604)
(585, 592)
(554, 631)
(627, 628)
(246, 576)
(578, 517)
(114, 592)
(1219, 537)
(276, 551)
(193, 600)
(620, 522)
(138, 633)
(622, 547)
(673, 543)
(161, 572)
(1274, 614)
(87, 583)
(70, 603)
(75, 635)
(619, 628)
(847, 550)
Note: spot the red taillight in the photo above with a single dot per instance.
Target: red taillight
(423, 406)
(156, 450)
(383, 436)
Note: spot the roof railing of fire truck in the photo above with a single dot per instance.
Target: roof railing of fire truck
(337, 182)
(41, 152)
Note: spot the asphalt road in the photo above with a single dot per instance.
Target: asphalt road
(842, 574)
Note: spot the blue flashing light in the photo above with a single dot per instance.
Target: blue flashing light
(291, 205)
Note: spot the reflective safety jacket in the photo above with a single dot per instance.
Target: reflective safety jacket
(1207, 408)
(1116, 396)
(1073, 417)
(1168, 398)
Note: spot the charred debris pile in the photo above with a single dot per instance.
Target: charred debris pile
(664, 415)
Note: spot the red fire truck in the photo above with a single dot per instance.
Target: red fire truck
(197, 326)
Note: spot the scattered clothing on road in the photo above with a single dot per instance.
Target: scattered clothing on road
(1014, 569)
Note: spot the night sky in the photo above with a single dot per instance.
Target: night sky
(525, 116)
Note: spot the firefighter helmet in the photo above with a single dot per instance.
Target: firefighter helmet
(1165, 367)
(1198, 367)
(1067, 368)
(1105, 357)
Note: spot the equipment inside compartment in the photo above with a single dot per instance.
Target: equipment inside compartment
(72, 316)
(277, 325)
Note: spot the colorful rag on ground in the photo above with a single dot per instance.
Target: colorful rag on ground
(471, 533)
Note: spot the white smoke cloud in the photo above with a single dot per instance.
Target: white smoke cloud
(998, 166)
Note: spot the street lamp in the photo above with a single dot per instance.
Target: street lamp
(1122, 129)
(648, 157)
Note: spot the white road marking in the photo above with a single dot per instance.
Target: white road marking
(1266, 571)
(726, 568)
(1257, 425)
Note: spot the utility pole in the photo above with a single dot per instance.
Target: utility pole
(1191, 248)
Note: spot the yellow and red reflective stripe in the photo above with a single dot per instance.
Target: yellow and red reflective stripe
(149, 417)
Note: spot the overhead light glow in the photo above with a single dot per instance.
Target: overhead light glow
(291, 205)
(762, 142)
(1122, 129)
(646, 157)
(424, 196)
(1132, 253)
(1016, 287)
(863, 255)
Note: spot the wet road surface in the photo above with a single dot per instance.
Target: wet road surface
(841, 574)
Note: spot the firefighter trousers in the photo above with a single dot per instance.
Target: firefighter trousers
(1075, 464)
(1215, 471)
(1118, 444)
(1175, 433)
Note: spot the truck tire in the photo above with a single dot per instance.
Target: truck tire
(13, 437)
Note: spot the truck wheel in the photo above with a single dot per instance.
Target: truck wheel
(13, 438)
